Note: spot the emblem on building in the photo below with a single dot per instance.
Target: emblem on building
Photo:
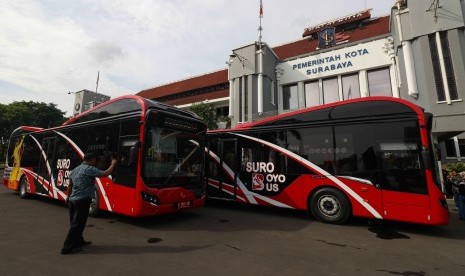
(327, 37)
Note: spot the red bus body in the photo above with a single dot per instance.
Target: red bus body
(373, 156)
(130, 127)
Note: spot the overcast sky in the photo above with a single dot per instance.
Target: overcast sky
(50, 47)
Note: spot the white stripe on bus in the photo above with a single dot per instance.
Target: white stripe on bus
(36, 176)
(250, 195)
(319, 170)
(216, 185)
(44, 156)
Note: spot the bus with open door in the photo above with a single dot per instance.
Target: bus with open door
(370, 157)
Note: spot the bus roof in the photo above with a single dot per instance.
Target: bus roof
(125, 104)
(387, 102)
(118, 106)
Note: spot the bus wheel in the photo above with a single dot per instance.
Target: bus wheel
(23, 188)
(330, 205)
(93, 209)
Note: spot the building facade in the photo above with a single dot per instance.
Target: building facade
(86, 99)
(429, 43)
(416, 53)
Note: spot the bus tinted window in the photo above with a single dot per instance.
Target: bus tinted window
(318, 147)
(386, 154)
(172, 152)
(130, 127)
(399, 154)
(287, 140)
(115, 108)
(33, 154)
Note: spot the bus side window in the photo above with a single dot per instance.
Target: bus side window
(78, 136)
(103, 141)
(250, 151)
(318, 146)
(31, 150)
(355, 153)
(289, 140)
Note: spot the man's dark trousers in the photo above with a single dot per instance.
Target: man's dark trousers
(78, 213)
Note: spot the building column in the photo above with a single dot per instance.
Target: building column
(394, 87)
(410, 69)
(231, 98)
(279, 72)
(363, 80)
(339, 88)
(243, 99)
(260, 82)
(393, 69)
(301, 94)
(249, 99)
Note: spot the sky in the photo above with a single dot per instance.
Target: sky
(51, 47)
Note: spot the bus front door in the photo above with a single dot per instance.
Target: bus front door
(228, 163)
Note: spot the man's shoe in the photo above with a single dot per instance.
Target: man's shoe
(66, 251)
(85, 243)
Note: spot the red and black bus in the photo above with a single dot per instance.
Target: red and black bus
(369, 157)
(160, 152)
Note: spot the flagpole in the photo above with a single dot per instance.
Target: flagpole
(96, 86)
(260, 29)
(260, 69)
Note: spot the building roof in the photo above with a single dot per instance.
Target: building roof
(345, 20)
(373, 28)
(209, 79)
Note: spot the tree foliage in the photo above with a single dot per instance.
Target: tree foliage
(455, 166)
(37, 114)
(206, 112)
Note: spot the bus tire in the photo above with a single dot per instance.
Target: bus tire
(23, 183)
(93, 208)
(330, 205)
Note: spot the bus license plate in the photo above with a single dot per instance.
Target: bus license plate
(185, 204)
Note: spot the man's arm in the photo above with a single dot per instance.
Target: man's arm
(111, 168)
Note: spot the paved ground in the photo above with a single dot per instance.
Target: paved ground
(224, 239)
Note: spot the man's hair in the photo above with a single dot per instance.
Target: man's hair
(89, 156)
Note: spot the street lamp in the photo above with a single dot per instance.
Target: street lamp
(239, 57)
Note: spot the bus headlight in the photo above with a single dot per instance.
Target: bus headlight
(150, 198)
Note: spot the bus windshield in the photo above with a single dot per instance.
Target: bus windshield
(173, 153)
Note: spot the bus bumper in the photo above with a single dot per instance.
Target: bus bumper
(150, 209)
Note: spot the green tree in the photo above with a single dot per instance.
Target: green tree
(206, 112)
(37, 114)
(455, 166)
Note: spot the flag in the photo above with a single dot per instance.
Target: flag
(260, 15)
